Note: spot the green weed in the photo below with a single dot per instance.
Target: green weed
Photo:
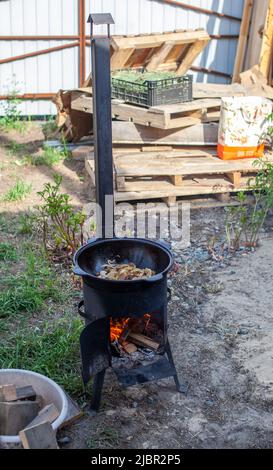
(7, 252)
(59, 221)
(243, 224)
(18, 192)
(52, 350)
(15, 147)
(26, 224)
(49, 128)
(30, 287)
(50, 156)
(12, 119)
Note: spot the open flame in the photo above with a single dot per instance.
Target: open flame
(119, 326)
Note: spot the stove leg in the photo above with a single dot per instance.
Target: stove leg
(181, 387)
(97, 390)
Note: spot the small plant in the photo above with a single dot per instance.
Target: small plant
(50, 156)
(26, 222)
(269, 133)
(59, 218)
(243, 224)
(50, 128)
(15, 147)
(7, 252)
(236, 222)
(12, 115)
(18, 192)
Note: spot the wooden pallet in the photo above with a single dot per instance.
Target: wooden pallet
(153, 175)
(173, 50)
(170, 116)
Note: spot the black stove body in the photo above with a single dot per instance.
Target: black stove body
(106, 299)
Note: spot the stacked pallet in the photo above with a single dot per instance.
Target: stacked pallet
(171, 172)
(162, 151)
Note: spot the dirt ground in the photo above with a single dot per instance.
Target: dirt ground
(221, 333)
(221, 336)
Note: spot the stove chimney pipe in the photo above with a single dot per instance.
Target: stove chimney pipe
(102, 120)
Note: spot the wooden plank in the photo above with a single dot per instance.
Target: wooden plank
(177, 180)
(265, 60)
(161, 153)
(74, 413)
(235, 178)
(168, 166)
(217, 90)
(159, 117)
(159, 57)
(156, 40)
(211, 116)
(191, 55)
(15, 415)
(201, 186)
(119, 58)
(142, 340)
(129, 347)
(40, 436)
(48, 413)
(242, 43)
(254, 42)
(8, 392)
(131, 133)
(181, 108)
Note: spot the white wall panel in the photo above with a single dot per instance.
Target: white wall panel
(50, 72)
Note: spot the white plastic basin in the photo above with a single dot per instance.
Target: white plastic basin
(47, 388)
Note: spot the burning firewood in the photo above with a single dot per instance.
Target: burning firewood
(144, 341)
(124, 272)
(129, 348)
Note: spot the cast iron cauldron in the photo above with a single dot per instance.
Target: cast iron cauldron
(105, 297)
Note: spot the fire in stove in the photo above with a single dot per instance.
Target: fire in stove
(128, 335)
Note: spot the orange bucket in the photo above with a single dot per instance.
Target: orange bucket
(226, 152)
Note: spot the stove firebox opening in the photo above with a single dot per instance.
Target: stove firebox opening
(136, 337)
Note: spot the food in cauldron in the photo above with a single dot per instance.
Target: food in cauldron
(124, 271)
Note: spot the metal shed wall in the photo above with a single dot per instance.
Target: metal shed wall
(60, 69)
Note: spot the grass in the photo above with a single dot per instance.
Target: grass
(49, 128)
(18, 192)
(30, 287)
(9, 123)
(52, 350)
(105, 437)
(7, 252)
(50, 156)
(33, 295)
(26, 224)
(15, 147)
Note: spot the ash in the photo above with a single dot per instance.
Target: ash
(142, 356)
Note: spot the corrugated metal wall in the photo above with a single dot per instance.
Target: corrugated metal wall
(48, 73)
